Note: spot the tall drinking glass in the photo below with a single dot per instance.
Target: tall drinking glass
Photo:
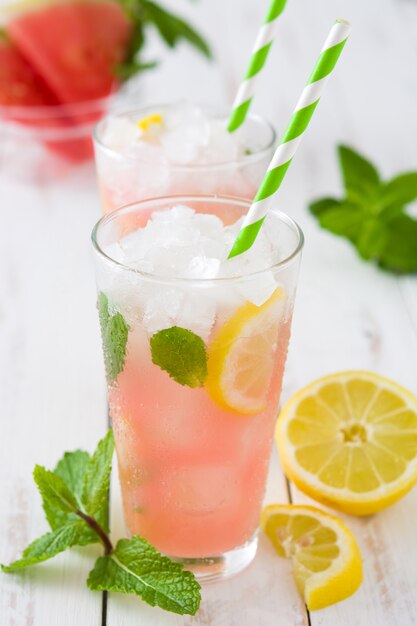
(193, 405)
(148, 174)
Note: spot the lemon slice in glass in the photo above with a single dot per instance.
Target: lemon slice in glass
(242, 356)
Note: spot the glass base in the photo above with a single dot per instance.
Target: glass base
(220, 567)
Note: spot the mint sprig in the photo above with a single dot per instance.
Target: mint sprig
(372, 214)
(182, 354)
(75, 500)
(134, 566)
(145, 14)
(114, 334)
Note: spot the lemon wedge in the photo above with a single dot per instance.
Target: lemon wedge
(146, 123)
(349, 440)
(327, 564)
(242, 356)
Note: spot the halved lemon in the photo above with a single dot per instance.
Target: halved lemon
(349, 440)
(242, 356)
(327, 564)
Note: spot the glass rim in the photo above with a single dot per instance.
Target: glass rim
(176, 199)
(179, 167)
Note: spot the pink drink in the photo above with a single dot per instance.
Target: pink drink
(195, 155)
(193, 461)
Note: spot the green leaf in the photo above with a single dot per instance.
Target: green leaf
(182, 354)
(49, 545)
(54, 491)
(95, 495)
(71, 469)
(172, 28)
(399, 191)
(372, 238)
(318, 207)
(114, 333)
(136, 567)
(360, 177)
(341, 218)
(127, 70)
(400, 251)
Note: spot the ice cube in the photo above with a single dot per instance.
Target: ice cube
(202, 267)
(259, 289)
(198, 312)
(187, 132)
(120, 132)
(161, 308)
(222, 145)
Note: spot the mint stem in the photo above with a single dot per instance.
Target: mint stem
(104, 538)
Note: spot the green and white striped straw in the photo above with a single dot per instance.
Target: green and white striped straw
(260, 52)
(292, 137)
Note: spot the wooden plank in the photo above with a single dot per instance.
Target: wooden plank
(52, 387)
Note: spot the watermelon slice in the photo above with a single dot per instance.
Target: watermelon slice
(74, 46)
(20, 85)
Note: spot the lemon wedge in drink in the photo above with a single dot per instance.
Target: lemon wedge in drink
(349, 440)
(327, 564)
(242, 356)
(152, 120)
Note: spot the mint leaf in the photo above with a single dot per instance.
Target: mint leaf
(136, 567)
(372, 215)
(72, 468)
(54, 491)
(95, 493)
(49, 545)
(361, 178)
(340, 218)
(172, 28)
(144, 14)
(182, 354)
(114, 333)
(399, 191)
(372, 238)
(400, 250)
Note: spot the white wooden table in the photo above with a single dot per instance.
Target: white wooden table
(348, 315)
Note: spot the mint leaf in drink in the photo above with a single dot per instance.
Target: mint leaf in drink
(372, 215)
(114, 333)
(136, 567)
(182, 354)
(49, 545)
(95, 492)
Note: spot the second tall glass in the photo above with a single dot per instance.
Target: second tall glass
(144, 174)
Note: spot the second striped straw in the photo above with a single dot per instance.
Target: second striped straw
(292, 137)
(258, 58)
